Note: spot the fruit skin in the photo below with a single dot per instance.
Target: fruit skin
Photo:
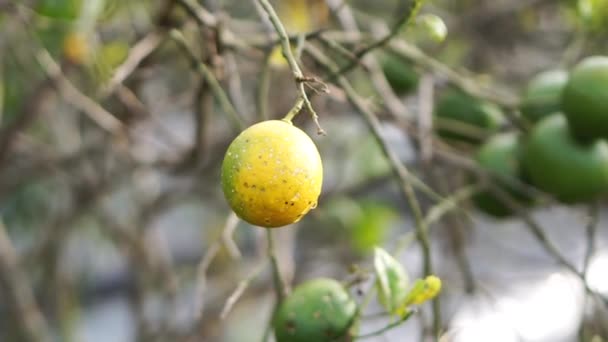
(461, 117)
(319, 310)
(501, 156)
(543, 94)
(272, 174)
(585, 99)
(560, 165)
(399, 74)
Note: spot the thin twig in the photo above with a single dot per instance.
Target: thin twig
(408, 14)
(264, 88)
(298, 76)
(240, 289)
(466, 84)
(279, 281)
(72, 95)
(215, 86)
(140, 50)
(19, 295)
(591, 231)
(387, 327)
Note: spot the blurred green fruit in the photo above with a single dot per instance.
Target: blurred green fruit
(461, 117)
(399, 73)
(560, 165)
(319, 310)
(59, 9)
(501, 156)
(585, 99)
(542, 96)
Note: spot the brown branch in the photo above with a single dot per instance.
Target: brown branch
(18, 294)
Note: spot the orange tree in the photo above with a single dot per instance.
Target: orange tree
(289, 170)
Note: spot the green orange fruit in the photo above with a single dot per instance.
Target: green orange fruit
(585, 99)
(559, 164)
(319, 310)
(501, 156)
(461, 117)
(399, 73)
(272, 174)
(543, 94)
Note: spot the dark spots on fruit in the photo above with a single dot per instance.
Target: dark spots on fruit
(253, 186)
(309, 202)
(246, 184)
(267, 220)
(284, 181)
(292, 204)
(262, 189)
(286, 203)
(246, 140)
(260, 156)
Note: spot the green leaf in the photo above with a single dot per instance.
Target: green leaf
(422, 291)
(391, 280)
(370, 227)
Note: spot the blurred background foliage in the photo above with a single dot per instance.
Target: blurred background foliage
(111, 143)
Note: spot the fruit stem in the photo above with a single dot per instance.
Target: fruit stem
(298, 76)
(279, 282)
(297, 107)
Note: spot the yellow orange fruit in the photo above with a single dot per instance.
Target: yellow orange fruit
(272, 174)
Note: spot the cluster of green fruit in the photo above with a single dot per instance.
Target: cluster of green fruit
(565, 153)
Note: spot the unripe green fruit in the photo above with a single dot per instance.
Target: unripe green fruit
(320, 310)
(543, 95)
(461, 117)
(585, 99)
(560, 165)
(399, 73)
(501, 156)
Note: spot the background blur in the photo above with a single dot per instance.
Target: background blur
(113, 226)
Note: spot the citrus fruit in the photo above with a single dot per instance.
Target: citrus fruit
(585, 99)
(542, 96)
(399, 73)
(461, 117)
(76, 48)
(500, 155)
(319, 310)
(559, 164)
(272, 174)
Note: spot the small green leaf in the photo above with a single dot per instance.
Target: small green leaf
(391, 280)
(370, 228)
(424, 289)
